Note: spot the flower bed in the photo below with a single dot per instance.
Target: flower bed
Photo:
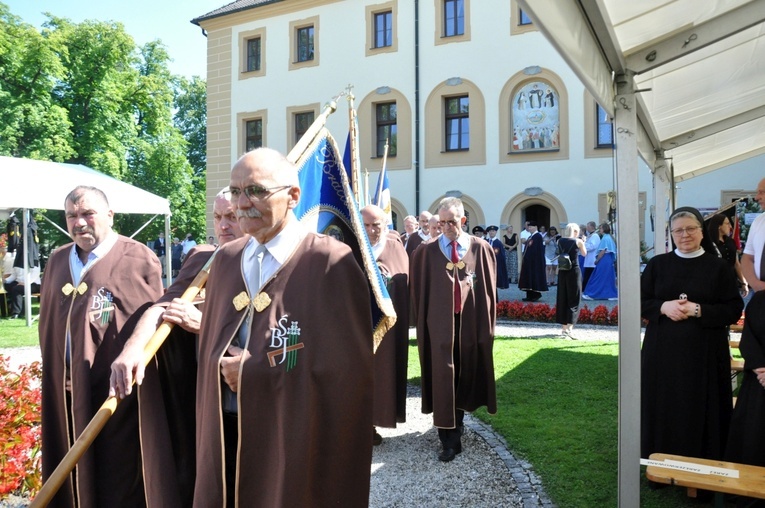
(19, 430)
(544, 313)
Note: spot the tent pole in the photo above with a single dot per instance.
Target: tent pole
(626, 130)
(168, 253)
(144, 225)
(27, 288)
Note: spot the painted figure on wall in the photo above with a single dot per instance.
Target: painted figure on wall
(535, 118)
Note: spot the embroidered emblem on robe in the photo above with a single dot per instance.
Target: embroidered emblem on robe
(284, 344)
(101, 306)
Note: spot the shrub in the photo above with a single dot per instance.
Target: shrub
(613, 317)
(19, 429)
(585, 314)
(543, 313)
(599, 315)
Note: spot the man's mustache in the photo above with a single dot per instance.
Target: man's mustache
(250, 213)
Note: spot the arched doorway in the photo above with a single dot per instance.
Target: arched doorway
(538, 213)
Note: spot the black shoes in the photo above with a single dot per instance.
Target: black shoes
(376, 437)
(448, 454)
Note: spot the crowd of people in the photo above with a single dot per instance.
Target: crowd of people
(247, 401)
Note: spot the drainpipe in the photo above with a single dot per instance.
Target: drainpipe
(416, 107)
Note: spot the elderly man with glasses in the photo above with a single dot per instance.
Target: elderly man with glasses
(285, 379)
(453, 287)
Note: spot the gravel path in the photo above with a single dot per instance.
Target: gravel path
(405, 468)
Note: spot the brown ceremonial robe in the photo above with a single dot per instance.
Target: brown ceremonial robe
(414, 241)
(304, 417)
(110, 472)
(168, 423)
(392, 355)
(432, 290)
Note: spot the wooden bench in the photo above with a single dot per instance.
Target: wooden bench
(750, 481)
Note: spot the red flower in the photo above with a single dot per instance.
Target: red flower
(19, 429)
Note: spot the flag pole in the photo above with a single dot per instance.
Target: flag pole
(355, 160)
(89, 434)
(380, 178)
(302, 145)
(366, 185)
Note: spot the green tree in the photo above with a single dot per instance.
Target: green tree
(99, 60)
(191, 120)
(31, 124)
(85, 93)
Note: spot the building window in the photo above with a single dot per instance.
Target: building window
(302, 122)
(305, 44)
(253, 54)
(454, 18)
(523, 18)
(457, 123)
(387, 130)
(252, 46)
(383, 29)
(605, 128)
(253, 134)
(535, 118)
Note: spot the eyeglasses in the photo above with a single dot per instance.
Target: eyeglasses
(255, 191)
(685, 231)
(453, 223)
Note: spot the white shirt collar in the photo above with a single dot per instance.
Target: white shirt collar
(379, 246)
(689, 255)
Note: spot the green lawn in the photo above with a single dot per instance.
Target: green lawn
(16, 333)
(557, 409)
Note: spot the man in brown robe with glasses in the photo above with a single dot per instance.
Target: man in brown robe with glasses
(284, 390)
(453, 289)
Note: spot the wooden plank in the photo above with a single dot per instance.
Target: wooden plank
(750, 483)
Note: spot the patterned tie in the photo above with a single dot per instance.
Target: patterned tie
(457, 289)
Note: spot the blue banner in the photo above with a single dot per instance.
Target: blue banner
(327, 206)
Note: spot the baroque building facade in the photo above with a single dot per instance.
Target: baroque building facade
(470, 97)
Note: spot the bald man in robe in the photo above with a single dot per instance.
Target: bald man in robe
(391, 356)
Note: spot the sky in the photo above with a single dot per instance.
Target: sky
(145, 20)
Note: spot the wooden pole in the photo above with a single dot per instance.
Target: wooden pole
(86, 438)
(305, 140)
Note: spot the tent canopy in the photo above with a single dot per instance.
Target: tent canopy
(700, 67)
(52, 181)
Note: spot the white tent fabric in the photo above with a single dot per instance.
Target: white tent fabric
(700, 66)
(43, 184)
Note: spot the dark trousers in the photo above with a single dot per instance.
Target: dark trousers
(231, 443)
(16, 297)
(450, 438)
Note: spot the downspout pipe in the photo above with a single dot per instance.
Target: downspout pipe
(416, 107)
